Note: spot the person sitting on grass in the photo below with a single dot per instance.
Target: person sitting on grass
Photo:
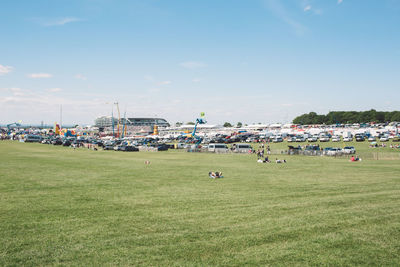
(355, 158)
(266, 160)
(215, 175)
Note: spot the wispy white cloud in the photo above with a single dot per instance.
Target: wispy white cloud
(12, 90)
(164, 83)
(30, 105)
(196, 80)
(154, 90)
(80, 77)
(148, 78)
(307, 8)
(339, 2)
(5, 69)
(192, 64)
(39, 75)
(280, 11)
(48, 22)
(54, 90)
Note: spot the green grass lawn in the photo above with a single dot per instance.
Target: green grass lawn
(60, 206)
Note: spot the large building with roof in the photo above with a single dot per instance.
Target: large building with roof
(107, 121)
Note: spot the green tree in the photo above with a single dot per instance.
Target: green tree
(396, 116)
(341, 117)
(227, 124)
(239, 125)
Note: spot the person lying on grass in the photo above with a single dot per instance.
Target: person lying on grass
(214, 175)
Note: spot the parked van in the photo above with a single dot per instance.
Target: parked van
(218, 148)
(242, 148)
(32, 138)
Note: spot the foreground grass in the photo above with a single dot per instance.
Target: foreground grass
(60, 206)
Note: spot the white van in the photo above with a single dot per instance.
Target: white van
(242, 148)
(218, 148)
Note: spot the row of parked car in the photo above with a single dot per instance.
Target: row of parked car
(315, 150)
(327, 138)
(335, 151)
(116, 145)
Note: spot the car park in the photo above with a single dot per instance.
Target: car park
(336, 138)
(347, 139)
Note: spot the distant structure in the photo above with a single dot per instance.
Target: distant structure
(146, 122)
(105, 121)
(133, 126)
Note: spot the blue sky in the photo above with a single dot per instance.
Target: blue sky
(250, 61)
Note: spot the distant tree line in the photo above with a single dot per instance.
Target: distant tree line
(344, 117)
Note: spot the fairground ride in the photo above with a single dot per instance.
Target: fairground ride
(200, 120)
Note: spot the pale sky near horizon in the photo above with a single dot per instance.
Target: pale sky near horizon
(251, 61)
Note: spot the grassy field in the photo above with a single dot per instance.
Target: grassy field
(60, 206)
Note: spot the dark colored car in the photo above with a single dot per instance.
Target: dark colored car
(108, 147)
(57, 142)
(66, 143)
(129, 148)
(160, 147)
(360, 138)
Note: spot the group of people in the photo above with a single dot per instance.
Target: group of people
(261, 151)
(374, 145)
(266, 160)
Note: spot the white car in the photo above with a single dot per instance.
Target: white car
(333, 151)
(349, 150)
(347, 139)
(336, 138)
(277, 140)
(312, 139)
(384, 139)
(371, 139)
(324, 138)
